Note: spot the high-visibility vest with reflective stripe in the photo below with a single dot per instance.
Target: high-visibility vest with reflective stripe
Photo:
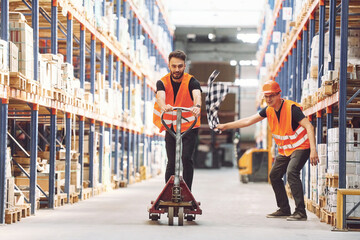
(183, 99)
(285, 137)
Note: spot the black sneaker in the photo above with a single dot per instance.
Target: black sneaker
(279, 214)
(297, 216)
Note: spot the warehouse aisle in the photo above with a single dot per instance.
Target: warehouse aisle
(231, 210)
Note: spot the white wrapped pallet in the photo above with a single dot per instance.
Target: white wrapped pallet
(4, 46)
(22, 35)
(352, 181)
(14, 57)
(322, 150)
(67, 75)
(44, 74)
(332, 199)
(333, 168)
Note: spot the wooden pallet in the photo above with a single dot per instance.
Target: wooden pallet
(89, 107)
(12, 215)
(332, 181)
(4, 77)
(98, 190)
(32, 86)
(44, 92)
(322, 201)
(74, 198)
(18, 81)
(70, 100)
(78, 103)
(45, 201)
(59, 96)
(86, 193)
(317, 210)
(123, 184)
(62, 199)
(309, 205)
(25, 210)
(327, 217)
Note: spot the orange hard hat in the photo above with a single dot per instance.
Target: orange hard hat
(271, 87)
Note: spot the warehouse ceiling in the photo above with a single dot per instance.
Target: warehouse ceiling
(221, 31)
(215, 13)
(213, 30)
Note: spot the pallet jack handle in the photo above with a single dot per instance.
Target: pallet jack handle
(178, 136)
(178, 121)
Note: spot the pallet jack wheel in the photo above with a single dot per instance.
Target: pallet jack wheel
(181, 216)
(190, 218)
(171, 216)
(244, 178)
(154, 217)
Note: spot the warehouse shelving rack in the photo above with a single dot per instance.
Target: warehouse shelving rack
(291, 65)
(38, 109)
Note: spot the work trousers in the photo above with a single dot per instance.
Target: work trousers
(188, 146)
(292, 166)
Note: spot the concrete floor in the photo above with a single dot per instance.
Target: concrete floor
(231, 210)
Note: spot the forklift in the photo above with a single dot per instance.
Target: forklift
(254, 165)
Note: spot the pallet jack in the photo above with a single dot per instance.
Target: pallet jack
(176, 198)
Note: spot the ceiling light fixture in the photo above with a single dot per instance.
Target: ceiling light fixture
(248, 37)
(233, 62)
(211, 36)
(245, 62)
(191, 36)
(247, 82)
(248, 62)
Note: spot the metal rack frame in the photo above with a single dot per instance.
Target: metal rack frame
(87, 121)
(291, 67)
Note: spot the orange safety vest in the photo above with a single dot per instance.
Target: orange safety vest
(285, 137)
(183, 99)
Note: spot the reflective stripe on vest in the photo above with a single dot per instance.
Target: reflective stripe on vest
(168, 122)
(292, 137)
(295, 145)
(183, 99)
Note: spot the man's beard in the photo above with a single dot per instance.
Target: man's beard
(180, 76)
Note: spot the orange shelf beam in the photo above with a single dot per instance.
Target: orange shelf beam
(331, 100)
(269, 32)
(290, 43)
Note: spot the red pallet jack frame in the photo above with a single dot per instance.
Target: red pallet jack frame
(176, 198)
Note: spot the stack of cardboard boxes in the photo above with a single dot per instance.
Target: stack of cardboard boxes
(352, 166)
(21, 34)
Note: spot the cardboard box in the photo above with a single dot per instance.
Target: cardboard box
(26, 64)
(22, 35)
(89, 98)
(42, 181)
(43, 74)
(17, 17)
(314, 71)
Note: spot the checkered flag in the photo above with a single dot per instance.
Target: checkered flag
(215, 95)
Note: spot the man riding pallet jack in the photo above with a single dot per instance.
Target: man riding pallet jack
(295, 138)
(181, 92)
